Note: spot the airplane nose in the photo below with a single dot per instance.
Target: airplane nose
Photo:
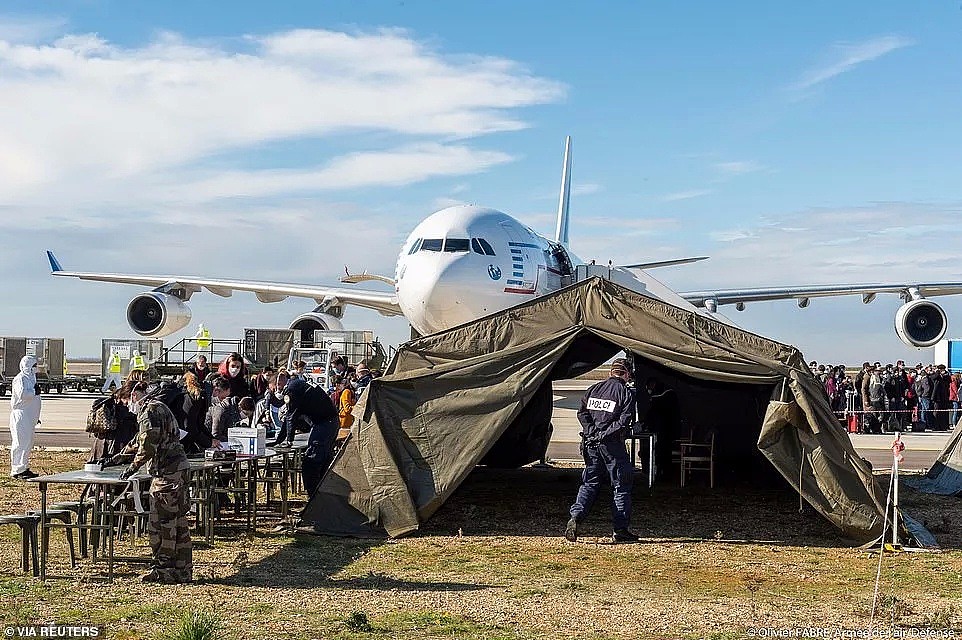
(433, 293)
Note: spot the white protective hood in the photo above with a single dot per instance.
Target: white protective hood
(26, 370)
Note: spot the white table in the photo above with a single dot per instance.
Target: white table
(104, 506)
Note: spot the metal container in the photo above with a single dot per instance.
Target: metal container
(353, 346)
(267, 347)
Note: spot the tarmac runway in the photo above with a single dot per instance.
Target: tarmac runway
(63, 420)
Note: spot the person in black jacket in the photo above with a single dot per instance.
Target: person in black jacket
(310, 406)
(940, 399)
(607, 411)
(923, 389)
(195, 404)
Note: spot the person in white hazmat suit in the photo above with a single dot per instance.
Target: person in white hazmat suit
(24, 416)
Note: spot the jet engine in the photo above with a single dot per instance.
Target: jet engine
(308, 323)
(155, 315)
(920, 323)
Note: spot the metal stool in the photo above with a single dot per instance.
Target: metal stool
(28, 536)
(66, 517)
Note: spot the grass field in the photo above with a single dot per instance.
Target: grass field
(492, 564)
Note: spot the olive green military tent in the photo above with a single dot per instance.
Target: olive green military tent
(480, 393)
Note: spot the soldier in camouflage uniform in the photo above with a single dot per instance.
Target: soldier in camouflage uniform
(158, 444)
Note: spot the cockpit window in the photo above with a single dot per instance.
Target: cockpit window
(415, 247)
(476, 246)
(431, 244)
(456, 245)
(486, 246)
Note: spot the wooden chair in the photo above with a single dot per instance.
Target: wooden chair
(698, 456)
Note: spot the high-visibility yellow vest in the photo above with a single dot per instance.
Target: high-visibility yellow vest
(203, 339)
(115, 363)
(138, 363)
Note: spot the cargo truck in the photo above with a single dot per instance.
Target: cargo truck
(50, 362)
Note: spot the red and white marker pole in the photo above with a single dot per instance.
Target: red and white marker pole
(897, 448)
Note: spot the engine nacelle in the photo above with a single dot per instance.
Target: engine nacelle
(155, 315)
(920, 323)
(307, 323)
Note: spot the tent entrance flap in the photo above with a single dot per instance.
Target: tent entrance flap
(451, 397)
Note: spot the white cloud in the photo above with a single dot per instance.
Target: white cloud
(585, 189)
(93, 122)
(685, 195)
(730, 235)
(393, 167)
(737, 168)
(846, 56)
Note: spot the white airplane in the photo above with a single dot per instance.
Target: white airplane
(465, 262)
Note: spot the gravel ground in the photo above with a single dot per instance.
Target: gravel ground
(720, 563)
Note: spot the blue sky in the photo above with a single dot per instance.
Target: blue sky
(794, 143)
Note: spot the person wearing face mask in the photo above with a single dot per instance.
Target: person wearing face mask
(157, 446)
(24, 417)
(364, 378)
(234, 369)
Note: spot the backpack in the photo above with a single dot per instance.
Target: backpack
(102, 419)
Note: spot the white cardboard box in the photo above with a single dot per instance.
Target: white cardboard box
(253, 441)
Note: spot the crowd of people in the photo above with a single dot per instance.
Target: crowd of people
(893, 397)
(157, 425)
(207, 401)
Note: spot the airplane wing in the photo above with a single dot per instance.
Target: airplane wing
(740, 297)
(381, 301)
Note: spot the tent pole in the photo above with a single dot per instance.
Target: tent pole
(895, 502)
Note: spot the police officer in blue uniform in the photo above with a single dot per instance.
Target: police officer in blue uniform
(607, 411)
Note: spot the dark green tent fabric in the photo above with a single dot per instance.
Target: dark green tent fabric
(945, 475)
(452, 400)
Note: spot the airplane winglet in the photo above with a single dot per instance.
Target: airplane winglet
(54, 263)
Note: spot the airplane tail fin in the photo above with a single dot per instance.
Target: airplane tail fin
(561, 234)
(54, 263)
